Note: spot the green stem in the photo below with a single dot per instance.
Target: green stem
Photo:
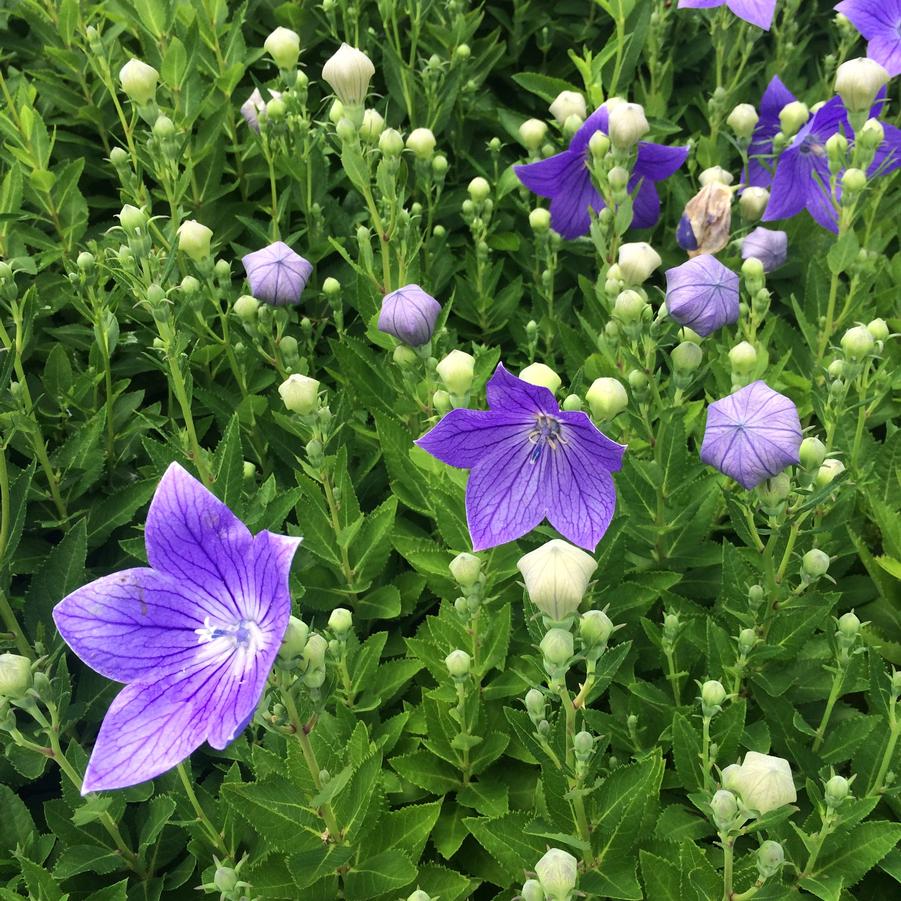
(212, 833)
(790, 546)
(837, 682)
(728, 861)
(672, 674)
(181, 394)
(336, 526)
(12, 625)
(706, 762)
(894, 731)
(829, 820)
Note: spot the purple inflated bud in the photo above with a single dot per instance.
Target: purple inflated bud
(702, 294)
(752, 434)
(276, 274)
(768, 246)
(409, 314)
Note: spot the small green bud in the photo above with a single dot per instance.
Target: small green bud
(421, 142)
(770, 858)
(849, 625)
(189, 286)
(295, 639)
(837, 790)
(755, 595)
(752, 269)
(629, 306)
(725, 808)
(225, 879)
(599, 145)
(539, 220)
(131, 218)
(583, 743)
(742, 120)
(85, 261)
(572, 403)
(743, 358)
(466, 569)
(391, 142)
(858, 343)
(815, 563)
(532, 891)
(163, 128)
(877, 328)
(283, 45)
(479, 189)
(246, 307)
(712, 693)
(16, 677)
(557, 646)
(458, 664)
(793, 116)
(854, 180)
(340, 621)
(828, 472)
(686, 357)
(747, 639)
(404, 356)
(595, 628)
(618, 178)
(812, 453)
(558, 872)
(606, 398)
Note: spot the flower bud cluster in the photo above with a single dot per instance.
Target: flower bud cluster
(466, 570)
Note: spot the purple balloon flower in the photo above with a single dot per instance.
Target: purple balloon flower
(757, 12)
(193, 637)
(879, 21)
(752, 435)
(702, 294)
(802, 179)
(565, 178)
(409, 314)
(529, 461)
(276, 274)
(767, 245)
(760, 150)
(253, 106)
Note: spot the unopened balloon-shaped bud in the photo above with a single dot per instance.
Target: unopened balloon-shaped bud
(747, 639)
(532, 133)
(458, 664)
(627, 125)
(858, 342)
(730, 777)
(812, 453)
(815, 564)
(686, 357)
(558, 647)
(742, 120)
(420, 895)
(583, 744)
(421, 142)
(827, 473)
(858, 81)
(595, 628)
(712, 694)
(535, 705)
(878, 328)
(532, 891)
(765, 782)
(752, 203)
(636, 262)
(557, 872)
(132, 219)
(556, 576)
(194, 239)
(606, 398)
(849, 625)
(854, 181)
(300, 393)
(409, 314)
(542, 375)
(793, 116)
(618, 177)
(629, 307)
(466, 569)
(743, 358)
(770, 858)
(340, 621)
(226, 880)
(837, 790)
(348, 72)
(540, 220)
(246, 308)
(724, 806)
(16, 677)
(295, 639)
(139, 81)
(391, 142)
(456, 371)
(566, 104)
(479, 189)
(373, 125)
(283, 45)
(715, 175)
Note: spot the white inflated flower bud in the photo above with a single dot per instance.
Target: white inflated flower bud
(629, 307)
(815, 563)
(139, 81)
(300, 393)
(637, 261)
(715, 175)
(730, 777)
(478, 189)
(765, 782)
(686, 357)
(858, 342)
(466, 569)
(752, 203)
(543, 375)
(532, 133)
(557, 646)
(283, 45)
(742, 120)
(456, 372)
(572, 125)
(878, 328)
(194, 239)
(712, 693)
(828, 471)
(16, 676)
(595, 628)
(340, 621)
(246, 308)
(556, 577)
(295, 639)
(348, 73)
(532, 891)
(793, 116)
(858, 81)
(627, 125)
(458, 663)
(131, 218)
(743, 358)
(373, 125)
(391, 142)
(566, 104)
(421, 141)
(557, 872)
(598, 145)
(606, 398)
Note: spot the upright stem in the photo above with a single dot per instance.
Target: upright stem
(181, 393)
(336, 526)
(894, 731)
(728, 860)
(837, 682)
(829, 819)
(212, 833)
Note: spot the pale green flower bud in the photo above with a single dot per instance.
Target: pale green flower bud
(854, 180)
(857, 82)
(686, 357)
(139, 81)
(348, 73)
(225, 879)
(295, 639)
(752, 269)
(532, 133)
(557, 646)
(466, 569)
(849, 625)
(742, 121)
(618, 178)
(540, 220)
(163, 128)
(837, 790)
(283, 45)
(458, 664)
(598, 145)
(421, 142)
(300, 393)
(812, 453)
(314, 652)
(16, 677)
(774, 490)
(770, 858)
(793, 116)
(765, 782)
(629, 307)
(542, 375)
(583, 744)
(815, 563)
(712, 693)
(572, 125)
(878, 329)
(391, 142)
(566, 104)
(439, 164)
(479, 189)
(871, 135)
(532, 891)
(85, 261)
(535, 704)
(336, 112)
(753, 203)
(556, 576)
(595, 628)
(828, 471)
(331, 287)
(627, 125)
(858, 342)
(743, 358)
(606, 398)
(456, 371)
(442, 402)
(373, 125)
(340, 621)
(194, 240)
(724, 806)
(557, 872)
(747, 639)
(715, 175)
(132, 219)
(636, 262)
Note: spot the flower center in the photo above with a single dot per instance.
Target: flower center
(548, 431)
(811, 144)
(244, 635)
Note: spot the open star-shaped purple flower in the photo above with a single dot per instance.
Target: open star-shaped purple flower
(879, 21)
(529, 461)
(752, 435)
(565, 178)
(759, 172)
(702, 294)
(802, 179)
(409, 314)
(193, 636)
(757, 12)
(277, 275)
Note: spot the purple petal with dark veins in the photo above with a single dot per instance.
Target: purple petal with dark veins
(508, 394)
(276, 274)
(464, 437)
(702, 294)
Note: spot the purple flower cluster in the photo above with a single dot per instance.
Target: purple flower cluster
(193, 636)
